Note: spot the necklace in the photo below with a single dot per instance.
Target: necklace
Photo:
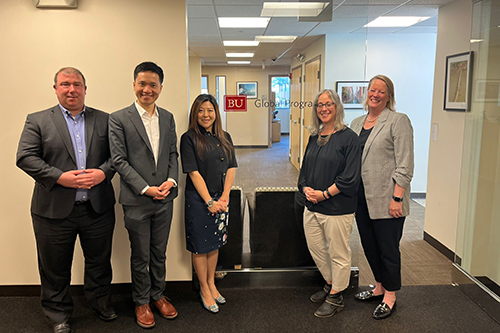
(373, 120)
(323, 140)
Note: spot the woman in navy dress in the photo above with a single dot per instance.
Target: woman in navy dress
(208, 158)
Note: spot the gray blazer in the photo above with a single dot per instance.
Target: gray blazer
(132, 155)
(387, 159)
(46, 151)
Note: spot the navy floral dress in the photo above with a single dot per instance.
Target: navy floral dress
(205, 232)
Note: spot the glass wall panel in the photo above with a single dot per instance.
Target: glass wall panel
(477, 250)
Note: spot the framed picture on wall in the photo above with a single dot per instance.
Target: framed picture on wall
(352, 93)
(247, 88)
(457, 82)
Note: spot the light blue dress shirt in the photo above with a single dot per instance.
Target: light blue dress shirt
(76, 127)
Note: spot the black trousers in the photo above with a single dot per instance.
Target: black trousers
(55, 240)
(148, 229)
(380, 240)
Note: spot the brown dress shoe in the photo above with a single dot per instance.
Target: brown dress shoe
(144, 316)
(166, 309)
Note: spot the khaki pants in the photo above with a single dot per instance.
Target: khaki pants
(328, 241)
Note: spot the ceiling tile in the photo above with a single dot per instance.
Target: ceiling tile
(409, 10)
(288, 26)
(348, 11)
(202, 26)
(200, 11)
(239, 11)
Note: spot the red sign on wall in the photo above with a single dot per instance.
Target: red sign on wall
(235, 103)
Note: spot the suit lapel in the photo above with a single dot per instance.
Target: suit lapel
(62, 127)
(357, 125)
(135, 118)
(89, 128)
(382, 119)
(163, 128)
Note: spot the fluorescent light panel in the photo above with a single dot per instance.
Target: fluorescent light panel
(293, 9)
(243, 22)
(275, 39)
(395, 21)
(239, 55)
(238, 62)
(241, 43)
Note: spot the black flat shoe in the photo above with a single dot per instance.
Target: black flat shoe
(383, 311)
(367, 295)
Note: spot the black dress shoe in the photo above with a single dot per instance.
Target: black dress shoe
(383, 311)
(106, 313)
(333, 303)
(367, 295)
(62, 328)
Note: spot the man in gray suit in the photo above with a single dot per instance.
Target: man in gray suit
(144, 152)
(65, 149)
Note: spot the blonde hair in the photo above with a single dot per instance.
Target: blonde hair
(391, 103)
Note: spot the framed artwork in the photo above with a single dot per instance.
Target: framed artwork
(457, 82)
(352, 93)
(248, 89)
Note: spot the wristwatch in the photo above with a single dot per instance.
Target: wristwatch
(210, 203)
(397, 199)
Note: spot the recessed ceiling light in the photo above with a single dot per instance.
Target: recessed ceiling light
(239, 55)
(476, 40)
(275, 39)
(395, 21)
(238, 62)
(293, 9)
(241, 43)
(243, 22)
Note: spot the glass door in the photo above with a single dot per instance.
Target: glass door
(478, 250)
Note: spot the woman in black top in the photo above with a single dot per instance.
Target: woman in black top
(329, 178)
(208, 158)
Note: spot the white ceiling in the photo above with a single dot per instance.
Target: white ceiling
(349, 16)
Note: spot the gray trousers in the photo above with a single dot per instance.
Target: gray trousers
(148, 229)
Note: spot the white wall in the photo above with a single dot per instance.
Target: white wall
(106, 40)
(408, 59)
(194, 79)
(445, 154)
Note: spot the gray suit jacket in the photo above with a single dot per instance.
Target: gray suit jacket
(387, 159)
(132, 155)
(46, 151)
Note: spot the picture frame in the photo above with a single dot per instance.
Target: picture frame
(457, 85)
(249, 89)
(352, 93)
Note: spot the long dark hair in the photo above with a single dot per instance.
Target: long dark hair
(200, 139)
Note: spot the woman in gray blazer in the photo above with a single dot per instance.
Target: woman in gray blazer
(386, 139)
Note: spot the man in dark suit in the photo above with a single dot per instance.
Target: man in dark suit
(65, 149)
(144, 152)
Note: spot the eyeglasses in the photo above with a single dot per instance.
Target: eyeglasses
(328, 105)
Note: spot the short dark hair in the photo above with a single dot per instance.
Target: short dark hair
(68, 71)
(149, 66)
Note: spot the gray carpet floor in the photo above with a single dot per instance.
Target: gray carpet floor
(419, 309)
